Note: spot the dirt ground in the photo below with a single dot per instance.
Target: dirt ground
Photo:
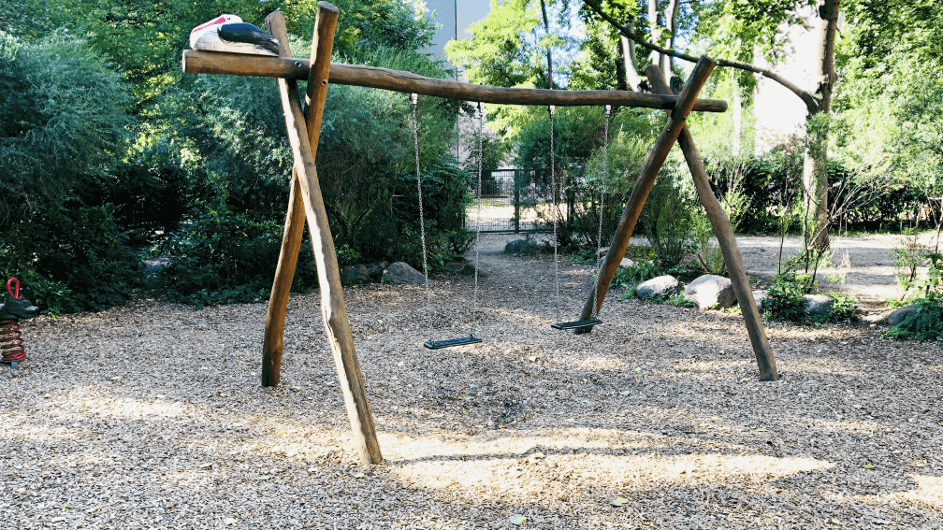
(151, 416)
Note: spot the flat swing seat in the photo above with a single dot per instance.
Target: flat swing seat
(585, 323)
(451, 343)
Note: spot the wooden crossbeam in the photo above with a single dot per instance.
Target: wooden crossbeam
(197, 62)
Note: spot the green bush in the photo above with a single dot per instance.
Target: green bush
(71, 259)
(224, 257)
(63, 123)
(785, 300)
(667, 220)
(844, 308)
(926, 323)
(629, 277)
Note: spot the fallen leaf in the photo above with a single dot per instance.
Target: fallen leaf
(637, 370)
(359, 475)
(262, 477)
(619, 501)
(517, 520)
(869, 466)
(761, 429)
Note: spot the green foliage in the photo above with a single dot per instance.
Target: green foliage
(629, 277)
(70, 259)
(926, 323)
(734, 30)
(668, 222)
(500, 54)
(844, 308)
(908, 257)
(785, 301)
(63, 122)
(225, 257)
(679, 300)
(784, 298)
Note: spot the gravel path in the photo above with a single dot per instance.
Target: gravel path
(151, 416)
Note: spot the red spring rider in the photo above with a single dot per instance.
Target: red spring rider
(11, 312)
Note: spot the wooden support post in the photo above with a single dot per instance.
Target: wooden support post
(333, 309)
(726, 239)
(272, 343)
(321, 47)
(643, 186)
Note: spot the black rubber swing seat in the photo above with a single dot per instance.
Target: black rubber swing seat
(451, 343)
(585, 323)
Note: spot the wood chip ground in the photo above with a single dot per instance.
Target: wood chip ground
(151, 416)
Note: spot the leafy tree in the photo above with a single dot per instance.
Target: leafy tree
(892, 95)
(63, 122)
(735, 30)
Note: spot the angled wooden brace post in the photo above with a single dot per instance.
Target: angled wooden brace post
(643, 186)
(726, 239)
(305, 184)
(321, 48)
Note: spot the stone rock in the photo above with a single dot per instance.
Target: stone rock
(155, 264)
(710, 290)
(818, 305)
(900, 314)
(624, 264)
(375, 270)
(660, 287)
(355, 274)
(520, 246)
(760, 297)
(401, 273)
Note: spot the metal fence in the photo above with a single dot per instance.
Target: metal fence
(511, 201)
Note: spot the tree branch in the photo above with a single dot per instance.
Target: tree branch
(812, 104)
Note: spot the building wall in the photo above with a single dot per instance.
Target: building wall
(452, 14)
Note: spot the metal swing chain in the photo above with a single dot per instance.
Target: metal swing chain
(414, 98)
(556, 213)
(481, 156)
(602, 198)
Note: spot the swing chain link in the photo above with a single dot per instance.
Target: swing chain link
(414, 98)
(481, 156)
(556, 213)
(602, 198)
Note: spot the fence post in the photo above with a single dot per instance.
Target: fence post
(517, 202)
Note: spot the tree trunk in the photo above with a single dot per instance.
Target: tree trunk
(737, 114)
(543, 9)
(632, 78)
(671, 23)
(657, 58)
(815, 165)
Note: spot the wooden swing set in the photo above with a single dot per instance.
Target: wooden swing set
(306, 202)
